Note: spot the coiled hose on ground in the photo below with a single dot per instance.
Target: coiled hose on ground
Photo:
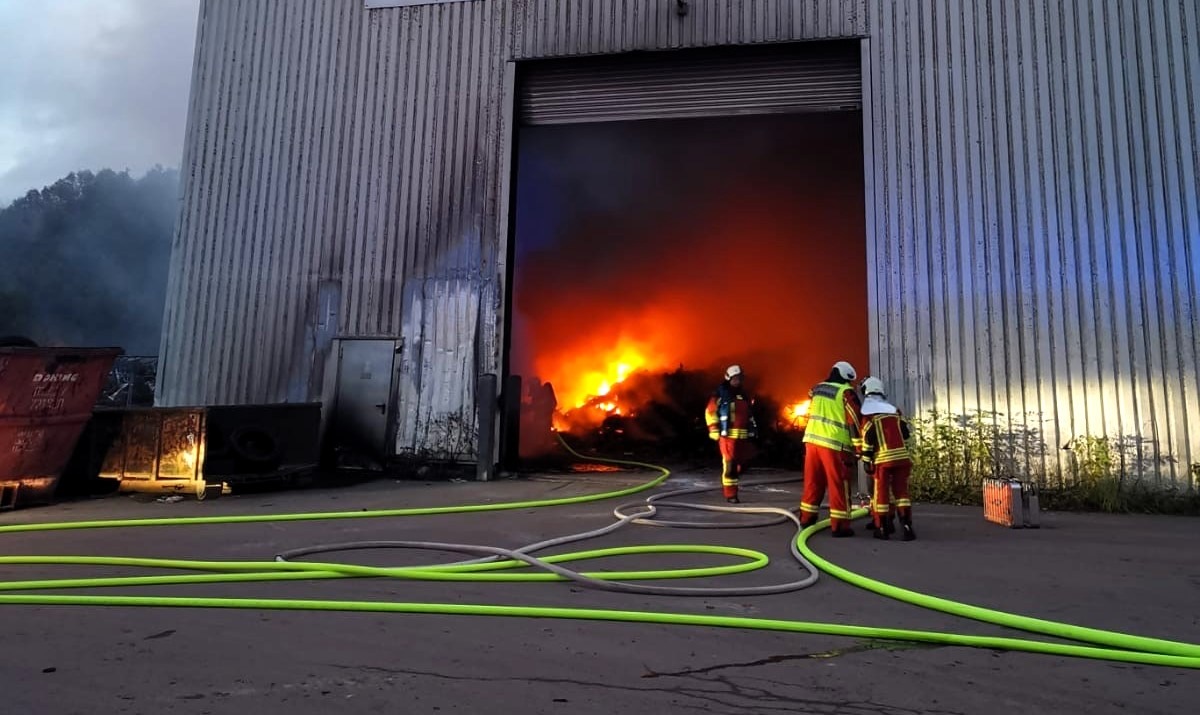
(497, 564)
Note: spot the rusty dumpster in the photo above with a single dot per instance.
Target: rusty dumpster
(46, 399)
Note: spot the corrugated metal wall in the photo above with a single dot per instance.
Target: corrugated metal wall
(343, 176)
(1032, 205)
(1034, 227)
(552, 28)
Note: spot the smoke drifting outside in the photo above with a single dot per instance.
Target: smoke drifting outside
(691, 242)
(83, 262)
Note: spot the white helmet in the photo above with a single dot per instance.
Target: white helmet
(733, 371)
(873, 386)
(845, 369)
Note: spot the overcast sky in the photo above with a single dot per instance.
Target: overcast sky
(91, 84)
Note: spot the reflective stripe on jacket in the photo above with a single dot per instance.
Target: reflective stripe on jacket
(885, 439)
(729, 414)
(833, 419)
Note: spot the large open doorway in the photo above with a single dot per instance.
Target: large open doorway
(649, 253)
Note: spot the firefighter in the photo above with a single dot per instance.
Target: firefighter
(831, 448)
(731, 424)
(885, 451)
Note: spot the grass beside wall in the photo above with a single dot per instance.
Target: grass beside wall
(954, 453)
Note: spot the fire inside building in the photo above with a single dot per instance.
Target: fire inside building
(460, 225)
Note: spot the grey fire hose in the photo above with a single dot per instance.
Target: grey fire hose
(647, 511)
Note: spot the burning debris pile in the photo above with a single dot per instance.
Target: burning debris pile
(657, 414)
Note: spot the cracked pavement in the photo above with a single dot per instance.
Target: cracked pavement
(1129, 573)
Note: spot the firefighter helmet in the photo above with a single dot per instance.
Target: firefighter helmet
(733, 371)
(873, 386)
(845, 369)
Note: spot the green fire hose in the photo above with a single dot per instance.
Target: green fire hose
(496, 564)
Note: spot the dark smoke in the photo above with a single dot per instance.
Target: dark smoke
(723, 240)
(83, 262)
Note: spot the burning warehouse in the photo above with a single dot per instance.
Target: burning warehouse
(395, 207)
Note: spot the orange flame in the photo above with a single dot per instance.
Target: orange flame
(579, 378)
(586, 379)
(797, 413)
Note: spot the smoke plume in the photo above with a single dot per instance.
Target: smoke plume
(83, 262)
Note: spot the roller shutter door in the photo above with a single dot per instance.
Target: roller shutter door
(802, 77)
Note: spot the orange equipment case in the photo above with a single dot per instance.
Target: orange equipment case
(1011, 503)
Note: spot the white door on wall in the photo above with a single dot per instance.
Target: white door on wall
(364, 396)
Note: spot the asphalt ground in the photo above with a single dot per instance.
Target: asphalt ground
(1133, 574)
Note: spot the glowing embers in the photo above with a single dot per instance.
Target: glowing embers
(604, 399)
(796, 414)
(598, 382)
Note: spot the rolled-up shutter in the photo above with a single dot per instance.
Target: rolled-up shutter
(812, 77)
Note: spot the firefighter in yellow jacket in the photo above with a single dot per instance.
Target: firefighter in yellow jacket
(831, 448)
(885, 451)
(730, 421)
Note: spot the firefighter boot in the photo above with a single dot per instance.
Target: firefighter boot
(907, 530)
(843, 532)
(730, 492)
(889, 524)
(871, 527)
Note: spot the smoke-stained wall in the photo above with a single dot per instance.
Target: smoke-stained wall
(1031, 173)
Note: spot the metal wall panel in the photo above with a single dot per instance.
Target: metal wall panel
(1034, 227)
(337, 158)
(557, 28)
(1033, 222)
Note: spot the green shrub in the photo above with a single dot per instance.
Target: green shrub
(952, 454)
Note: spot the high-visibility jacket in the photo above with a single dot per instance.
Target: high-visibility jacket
(833, 418)
(729, 414)
(885, 433)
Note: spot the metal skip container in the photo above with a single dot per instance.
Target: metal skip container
(46, 399)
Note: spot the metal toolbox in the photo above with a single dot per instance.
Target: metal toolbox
(1011, 503)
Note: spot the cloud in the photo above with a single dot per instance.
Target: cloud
(101, 84)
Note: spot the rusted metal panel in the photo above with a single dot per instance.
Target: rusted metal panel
(46, 398)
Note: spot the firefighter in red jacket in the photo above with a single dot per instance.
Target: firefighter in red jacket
(831, 447)
(730, 421)
(886, 454)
